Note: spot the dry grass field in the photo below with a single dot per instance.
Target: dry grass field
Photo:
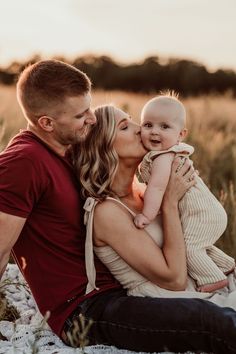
(212, 131)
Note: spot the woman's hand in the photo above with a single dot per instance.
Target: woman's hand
(181, 179)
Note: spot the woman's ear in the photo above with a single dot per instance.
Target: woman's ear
(183, 133)
(46, 123)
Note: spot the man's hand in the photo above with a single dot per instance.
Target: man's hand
(141, 221)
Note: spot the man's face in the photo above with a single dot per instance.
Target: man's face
(74, 119)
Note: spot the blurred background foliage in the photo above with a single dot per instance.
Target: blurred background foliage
(150, 75)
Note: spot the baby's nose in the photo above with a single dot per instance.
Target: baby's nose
(155, 130)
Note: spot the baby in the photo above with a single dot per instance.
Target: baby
(203, 218)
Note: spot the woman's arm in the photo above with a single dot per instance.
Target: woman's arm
(113, 225)
(160, 174)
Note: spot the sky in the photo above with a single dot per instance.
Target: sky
(127, 30)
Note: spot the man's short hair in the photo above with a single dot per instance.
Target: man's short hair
(45, 84)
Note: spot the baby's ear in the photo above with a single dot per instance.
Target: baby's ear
(183, 133)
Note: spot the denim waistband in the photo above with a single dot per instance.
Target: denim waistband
(84, 305)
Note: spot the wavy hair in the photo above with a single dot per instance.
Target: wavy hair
(97, 160)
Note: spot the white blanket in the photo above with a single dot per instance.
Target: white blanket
(29, 334)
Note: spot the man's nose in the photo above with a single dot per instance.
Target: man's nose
(91, 118)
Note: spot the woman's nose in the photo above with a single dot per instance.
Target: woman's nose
(137, 128)
(91, 118)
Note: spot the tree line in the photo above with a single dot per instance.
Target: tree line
(151, 75)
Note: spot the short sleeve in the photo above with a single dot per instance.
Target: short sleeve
(145, 167)
(182, 149)
(20, 185)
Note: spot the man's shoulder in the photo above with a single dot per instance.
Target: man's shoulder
(26, 156)
(24, 145)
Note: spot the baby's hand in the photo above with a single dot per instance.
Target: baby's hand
(141, 221)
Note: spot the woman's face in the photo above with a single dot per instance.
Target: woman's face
(128, 142)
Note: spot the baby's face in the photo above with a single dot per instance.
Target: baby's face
(160, 129)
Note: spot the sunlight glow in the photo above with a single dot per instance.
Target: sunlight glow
(125, 29)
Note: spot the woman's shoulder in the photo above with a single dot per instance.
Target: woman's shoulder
(105, 205)
(113, 213)
(107, 208)
(110, 220)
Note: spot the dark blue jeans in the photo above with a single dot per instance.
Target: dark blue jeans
(157, 324)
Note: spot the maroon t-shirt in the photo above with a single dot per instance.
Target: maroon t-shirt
(38, 184)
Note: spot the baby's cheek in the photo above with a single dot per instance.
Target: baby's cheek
(144, 134)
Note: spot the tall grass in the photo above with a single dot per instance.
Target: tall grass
(212, 131)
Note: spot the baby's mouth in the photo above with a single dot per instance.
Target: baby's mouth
(155, 141)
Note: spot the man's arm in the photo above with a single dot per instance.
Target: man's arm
(10, 229)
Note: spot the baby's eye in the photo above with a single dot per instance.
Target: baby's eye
(164, 126)
(147, 125)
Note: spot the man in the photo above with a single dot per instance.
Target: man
(41, 222)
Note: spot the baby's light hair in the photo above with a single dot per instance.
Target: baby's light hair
(169, 93)
(167, 98)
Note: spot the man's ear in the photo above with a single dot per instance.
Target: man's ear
(183, 133)
(46, 123)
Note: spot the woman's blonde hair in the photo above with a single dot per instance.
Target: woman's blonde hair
(97, 160)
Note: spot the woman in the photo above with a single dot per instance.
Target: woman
(107, 164)
(115, 150)
(145, 266)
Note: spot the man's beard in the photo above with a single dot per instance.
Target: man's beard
(75, 137)
(82, 136)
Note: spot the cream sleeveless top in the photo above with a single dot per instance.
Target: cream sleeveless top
(134, 282)
(128, 277)
(131, 280)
